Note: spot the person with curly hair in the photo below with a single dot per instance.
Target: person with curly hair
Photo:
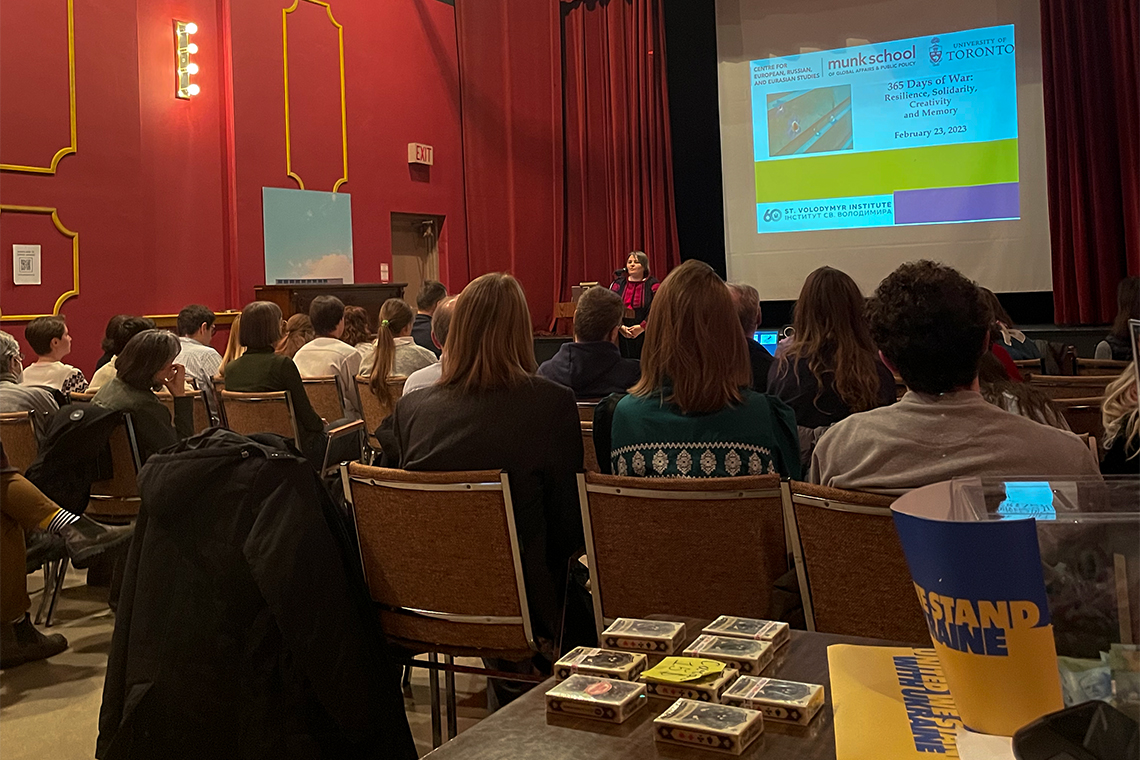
(932, 326)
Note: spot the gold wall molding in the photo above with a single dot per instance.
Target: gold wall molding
(54, 213)
(343, 113)
(72, 147)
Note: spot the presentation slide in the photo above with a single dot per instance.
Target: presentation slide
(912, 131)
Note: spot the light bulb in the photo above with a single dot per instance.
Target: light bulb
(192, 68)
(191, 28)
(193, 89)
(191, 48)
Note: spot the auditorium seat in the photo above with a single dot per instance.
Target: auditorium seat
(202, 419)
(372, 410)
(1083, 415)
(116, 499)
(1062, 386)
(699, 547)
(1100, 367)
(325, 396)
(443, 566)
(852, 573)
(19, 436)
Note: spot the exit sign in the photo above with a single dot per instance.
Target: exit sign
(420, 154)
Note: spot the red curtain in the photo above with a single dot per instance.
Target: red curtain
(618, 169)
(1091, 60)
(511, 101)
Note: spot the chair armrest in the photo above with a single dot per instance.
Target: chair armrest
(348, 428)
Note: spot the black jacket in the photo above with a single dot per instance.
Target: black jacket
(761, 362)
(795, 385)
(241, 631)
(591, 370)
(74, 454)
(421, 333)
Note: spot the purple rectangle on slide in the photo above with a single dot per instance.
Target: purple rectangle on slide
(957, 204)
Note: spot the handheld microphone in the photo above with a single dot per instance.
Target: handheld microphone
(619, 272)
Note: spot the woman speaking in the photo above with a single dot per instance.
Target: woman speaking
(636, 287)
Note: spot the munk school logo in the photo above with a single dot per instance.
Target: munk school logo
(935, 52)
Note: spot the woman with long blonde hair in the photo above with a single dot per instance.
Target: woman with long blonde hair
(489, 411)
(1121, 421)
(830, 368)
(394, 352)
(693, 413)
(234, 346)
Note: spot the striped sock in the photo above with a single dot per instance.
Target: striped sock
(57, 522)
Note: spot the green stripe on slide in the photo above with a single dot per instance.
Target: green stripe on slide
(882, 172)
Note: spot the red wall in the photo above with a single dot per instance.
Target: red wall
(163, 218)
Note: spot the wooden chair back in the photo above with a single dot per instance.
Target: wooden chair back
(853, 575)
(589, 454)
(1110, 367)
(248, 413)
(1068, 386)
(202, 419)
(586, 409)
(116, 499)
(700, 547)
(441, 558)
(1029, 367)
(325, 396)
(19, 435)
(372, 410)
(80, 397)
(1083, 415)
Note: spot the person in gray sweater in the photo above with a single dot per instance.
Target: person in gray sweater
(931, 325)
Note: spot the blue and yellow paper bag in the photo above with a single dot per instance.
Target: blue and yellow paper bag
(982, 591)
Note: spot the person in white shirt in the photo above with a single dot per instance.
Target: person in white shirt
(126, 329)
(429, 375)
(327, 354)
(49, 338)
(195, 330)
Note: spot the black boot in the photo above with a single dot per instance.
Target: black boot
(87, 539)
(21, 642)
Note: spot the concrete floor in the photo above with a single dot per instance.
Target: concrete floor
(50, 708)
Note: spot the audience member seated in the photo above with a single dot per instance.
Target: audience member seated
(357, 334)
(261, 370)
(440, 324)
(128, 328)
(747, 301)
(693, 413)
(298, 332)
(489, 411)
(429, 298)
(1007, 335)
(15, 397)
(49, 338)
(395, 353)
(196, 329)
(932, 326)
(829, 368)
(592, 366)
(1016, 398)
(24, 508)
(637, 288)
(327, 354)
(234, 347)
(1121, 426)
(109, 339)
(146, 362)
(1118, 343)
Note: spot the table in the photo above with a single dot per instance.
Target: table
(522, 729)
(295, 299)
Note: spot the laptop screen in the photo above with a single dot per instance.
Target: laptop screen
(768, 339)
